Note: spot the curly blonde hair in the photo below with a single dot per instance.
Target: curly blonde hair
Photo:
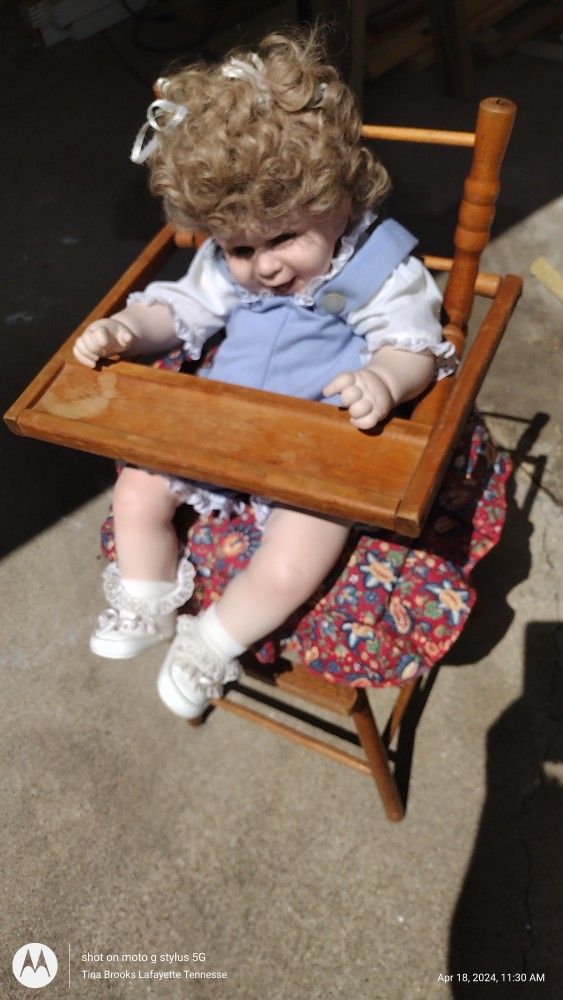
(254, 152)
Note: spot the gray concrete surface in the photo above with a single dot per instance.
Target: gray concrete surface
(124, 833)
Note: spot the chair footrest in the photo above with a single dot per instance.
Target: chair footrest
(295, 735)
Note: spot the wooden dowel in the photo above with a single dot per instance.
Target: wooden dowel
(433, 136)
(437, 263)
(486, 284)
(303, 739)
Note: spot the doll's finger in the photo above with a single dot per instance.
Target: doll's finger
(351, 395)
(107, 327)
(360, 408)
(83, 344)
(367, 420)
(92, 331)
(379, 410)
(102, 339)
(339, 383)
(124, 337)
(89, 343)
(365, 423)
(85, 357)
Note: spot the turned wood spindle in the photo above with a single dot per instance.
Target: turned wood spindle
(477, 209)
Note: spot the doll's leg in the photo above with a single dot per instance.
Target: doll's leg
(145, 539)
(297, 552)
(147, 584)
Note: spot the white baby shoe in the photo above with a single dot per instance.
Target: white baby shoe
(132, 624)
(193, 674)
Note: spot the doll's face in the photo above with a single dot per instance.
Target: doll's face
(285, 258)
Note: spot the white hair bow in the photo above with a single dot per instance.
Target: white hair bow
(173, 114)
(251, 71)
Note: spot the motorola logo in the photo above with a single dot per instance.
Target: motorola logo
(35, 965)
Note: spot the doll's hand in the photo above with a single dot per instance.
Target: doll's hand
(364, 394)
(101, 339)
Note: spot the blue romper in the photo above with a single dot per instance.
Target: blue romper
(277, 343)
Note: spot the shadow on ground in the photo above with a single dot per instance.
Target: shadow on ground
(509, 563)
(509, 915)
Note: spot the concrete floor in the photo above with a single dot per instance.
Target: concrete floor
(122, 832)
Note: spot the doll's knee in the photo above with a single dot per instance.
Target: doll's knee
(282, 578)
(140, 495)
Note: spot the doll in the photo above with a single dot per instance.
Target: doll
(320, 298)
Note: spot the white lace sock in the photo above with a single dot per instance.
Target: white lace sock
(216, 637)
(151, 590)
(148, 588)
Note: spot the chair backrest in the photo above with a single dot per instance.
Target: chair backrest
(493, 127)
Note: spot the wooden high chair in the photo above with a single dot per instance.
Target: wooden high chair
(291, 450)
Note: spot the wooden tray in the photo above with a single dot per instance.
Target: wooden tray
(301, 453)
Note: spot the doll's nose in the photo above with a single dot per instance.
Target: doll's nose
(267, 264)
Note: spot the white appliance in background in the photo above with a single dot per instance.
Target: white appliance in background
(56, 20)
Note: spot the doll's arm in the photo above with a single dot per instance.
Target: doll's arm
(138, 329)
(402, 330)
(391, 377)
(166, 314)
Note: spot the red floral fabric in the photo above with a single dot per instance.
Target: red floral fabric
(392, 608)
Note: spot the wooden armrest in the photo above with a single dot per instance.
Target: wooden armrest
(448, 405)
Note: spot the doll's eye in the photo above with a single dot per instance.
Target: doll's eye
(282, 238)
(246, 253)
(241, 253)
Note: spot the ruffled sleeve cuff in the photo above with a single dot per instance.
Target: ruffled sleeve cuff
(193, 336)
(443, 351)
(405, 314)
(199, 303)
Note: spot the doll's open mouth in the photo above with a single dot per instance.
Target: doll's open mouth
(284, 289)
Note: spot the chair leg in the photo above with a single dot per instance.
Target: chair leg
(399, 709)
(198, 721)
(376, 754)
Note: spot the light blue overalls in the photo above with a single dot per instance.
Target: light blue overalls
(278, 344)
